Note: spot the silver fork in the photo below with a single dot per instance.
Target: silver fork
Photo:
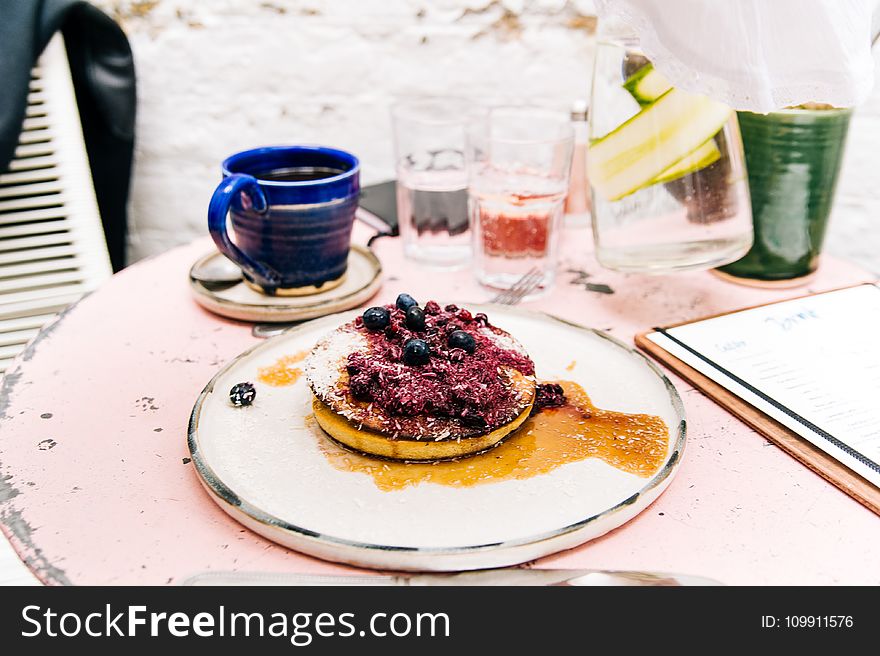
(526, 284)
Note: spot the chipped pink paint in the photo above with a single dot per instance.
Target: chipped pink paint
(112, 501)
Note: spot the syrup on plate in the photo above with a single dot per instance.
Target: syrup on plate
(577, 430)
(284, 372)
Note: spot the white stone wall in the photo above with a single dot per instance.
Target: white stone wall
(216, 76)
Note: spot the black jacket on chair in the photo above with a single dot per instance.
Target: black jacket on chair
(102, 69)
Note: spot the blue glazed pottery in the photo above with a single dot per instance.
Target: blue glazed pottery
(292, 210)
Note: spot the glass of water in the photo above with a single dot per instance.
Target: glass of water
(429, 144)
(666, 167)
(519, 162)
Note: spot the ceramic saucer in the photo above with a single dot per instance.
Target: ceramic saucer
(240, 301)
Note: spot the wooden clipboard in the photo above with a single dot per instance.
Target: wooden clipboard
(813, 457)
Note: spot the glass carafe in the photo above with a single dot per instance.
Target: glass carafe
(666, 168)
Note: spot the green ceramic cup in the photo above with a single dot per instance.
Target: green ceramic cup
(793, 159)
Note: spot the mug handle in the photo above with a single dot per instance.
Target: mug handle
(218, 209)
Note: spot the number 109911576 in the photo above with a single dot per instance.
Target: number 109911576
(807, 622)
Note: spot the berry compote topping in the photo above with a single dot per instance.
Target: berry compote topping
(549, 395)
(450, 381)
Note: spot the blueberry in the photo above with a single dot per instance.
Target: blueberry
(405, 302)
(415, 318)
(416, 352)
(376, 318)
(242, 394)
(461, 339)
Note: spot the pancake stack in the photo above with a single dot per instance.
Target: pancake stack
(411, 383)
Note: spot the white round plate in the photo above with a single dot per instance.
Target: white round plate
(263, 464)
(362, 280)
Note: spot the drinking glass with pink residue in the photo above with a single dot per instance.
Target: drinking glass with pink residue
(519, 162)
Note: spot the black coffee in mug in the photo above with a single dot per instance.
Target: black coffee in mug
(298, 174)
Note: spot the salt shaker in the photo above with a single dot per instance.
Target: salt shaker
(577, 203)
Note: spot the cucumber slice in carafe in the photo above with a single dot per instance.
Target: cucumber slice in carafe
(647, 84)
(652, 143)
(702, 157)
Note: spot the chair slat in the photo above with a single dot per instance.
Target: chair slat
(28, 229)
(34, 150)
(35, 267)
(17, 337)
(11, 350)
(34, 321)
(32, 163)
(30, 254)
(35, 189)
(39, 299)
(39, 281)
(31, 137)
(27, 203)
(17, 178)
(37, 241)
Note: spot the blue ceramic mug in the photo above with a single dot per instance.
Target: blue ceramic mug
(292, 209)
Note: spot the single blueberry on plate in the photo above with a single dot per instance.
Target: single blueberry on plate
(463, 340)
(376, 318)
(415, 318)
(405, 302)
(416, 352)
(242, 394)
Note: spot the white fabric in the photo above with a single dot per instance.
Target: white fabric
(757, 55)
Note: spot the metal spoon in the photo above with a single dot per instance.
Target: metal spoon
(217, 273)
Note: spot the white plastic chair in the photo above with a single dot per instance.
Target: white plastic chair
(52, 247)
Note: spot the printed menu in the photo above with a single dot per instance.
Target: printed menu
(812, 364)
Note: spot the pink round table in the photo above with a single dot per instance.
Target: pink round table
(96, 486)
